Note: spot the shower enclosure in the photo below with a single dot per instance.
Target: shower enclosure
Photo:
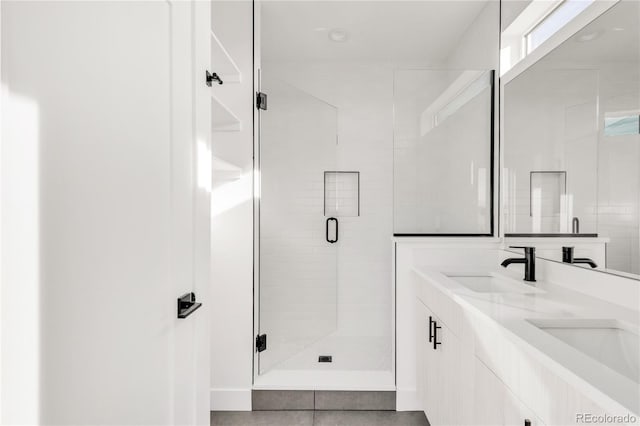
(363, 106)
(307, 205)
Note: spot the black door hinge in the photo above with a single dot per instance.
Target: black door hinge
(261, 100)
(211, 77)
(261, 342)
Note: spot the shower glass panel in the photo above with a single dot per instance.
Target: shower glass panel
(298, 263)
(443, 114)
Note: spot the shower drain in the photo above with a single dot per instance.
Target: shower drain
(325, 358)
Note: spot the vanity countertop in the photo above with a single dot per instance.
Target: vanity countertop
(524, 315)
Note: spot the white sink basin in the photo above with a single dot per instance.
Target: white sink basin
(606, 340)
(493, 284)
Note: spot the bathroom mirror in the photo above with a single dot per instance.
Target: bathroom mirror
(571, 152)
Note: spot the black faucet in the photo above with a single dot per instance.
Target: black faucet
(529, 261)
(567, 257)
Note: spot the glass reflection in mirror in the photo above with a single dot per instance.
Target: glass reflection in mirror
(572, 139)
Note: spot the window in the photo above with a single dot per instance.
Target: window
(550, 24)
(619, 124)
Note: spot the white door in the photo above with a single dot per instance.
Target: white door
(105, 176)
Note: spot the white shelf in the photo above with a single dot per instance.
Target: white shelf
(222, 63)
(222, 119)
(225, 171)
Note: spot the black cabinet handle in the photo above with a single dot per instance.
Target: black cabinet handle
(331, 219)
(436, 327)
(430, 329)
(187, 305)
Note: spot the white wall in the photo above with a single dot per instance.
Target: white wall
(619, 170)
(478, 47)
(232, 340)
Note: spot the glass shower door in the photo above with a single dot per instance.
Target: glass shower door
(297, 255)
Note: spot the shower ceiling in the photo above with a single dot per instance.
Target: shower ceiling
(377, 30)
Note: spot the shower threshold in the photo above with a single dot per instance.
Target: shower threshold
(361, 380)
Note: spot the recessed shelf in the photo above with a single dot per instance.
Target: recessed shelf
(222, 63)
(225, 171)
(222, 119)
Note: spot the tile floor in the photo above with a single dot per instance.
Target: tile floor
(318, 418)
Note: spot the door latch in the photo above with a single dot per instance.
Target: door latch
(211, 77)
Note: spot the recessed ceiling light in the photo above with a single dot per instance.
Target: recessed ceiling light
(617, 29)
(583, 38)
(338, 35)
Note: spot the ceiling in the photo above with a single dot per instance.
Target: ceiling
(424, 31)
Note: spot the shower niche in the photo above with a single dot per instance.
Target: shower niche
(341, 194)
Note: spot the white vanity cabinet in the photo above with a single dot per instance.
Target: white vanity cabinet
(445, 371)
(454, 386)
(470, 371)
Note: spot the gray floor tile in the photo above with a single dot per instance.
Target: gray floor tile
(345, 400)
(369, 418)
(282, 400)
(261, 418)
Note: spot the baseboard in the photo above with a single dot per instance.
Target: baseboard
(407, 400)
(230, 399)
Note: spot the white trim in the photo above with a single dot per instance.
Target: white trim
(543, 14)
(407, 400)
(230, 400)
(531, 16)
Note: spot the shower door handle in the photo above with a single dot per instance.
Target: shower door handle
(331, 219)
